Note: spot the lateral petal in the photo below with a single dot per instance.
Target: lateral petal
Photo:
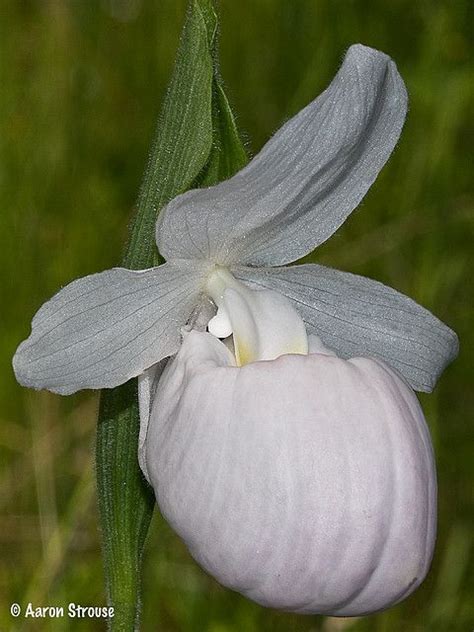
(306, 180)
(103, 329)
(357, 316)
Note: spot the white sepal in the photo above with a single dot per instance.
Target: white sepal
(306, 180)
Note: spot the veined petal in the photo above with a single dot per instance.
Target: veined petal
(357, 316)
(103, 329)
(307, 483)
(306, 180)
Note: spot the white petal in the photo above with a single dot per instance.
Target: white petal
(355, 315)
(103, 329)
(306, 180)
(306, 483)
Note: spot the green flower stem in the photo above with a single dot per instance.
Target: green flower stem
(196, 143)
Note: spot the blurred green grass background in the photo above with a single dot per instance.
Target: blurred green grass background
(81, 84)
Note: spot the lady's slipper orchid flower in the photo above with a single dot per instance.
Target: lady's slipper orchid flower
(292, 456)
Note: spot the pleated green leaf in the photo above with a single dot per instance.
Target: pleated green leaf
(196, 144)
(228, 154)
